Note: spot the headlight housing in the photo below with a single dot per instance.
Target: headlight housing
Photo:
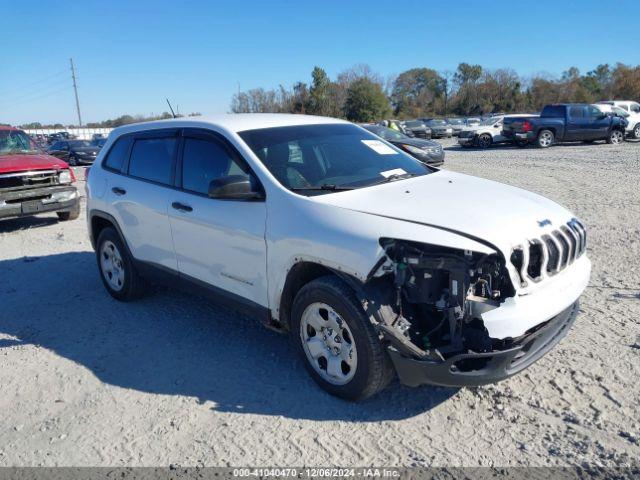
(64, 176)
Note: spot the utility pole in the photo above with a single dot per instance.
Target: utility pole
(75, 90)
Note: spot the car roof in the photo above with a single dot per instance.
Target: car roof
(8, 127)
(234, 122)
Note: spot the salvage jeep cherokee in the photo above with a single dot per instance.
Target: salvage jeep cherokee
(373, 262)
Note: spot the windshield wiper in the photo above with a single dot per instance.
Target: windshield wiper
(396, 176)
(326, 187)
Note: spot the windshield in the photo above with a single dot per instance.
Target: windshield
(387, 133)
(80, 143)
(620, 112)
(16, 141)
(437, 122)
(489, 121)
(308, 157)
(414, 124)
(456, 121)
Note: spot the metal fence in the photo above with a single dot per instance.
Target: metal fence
(80, 133)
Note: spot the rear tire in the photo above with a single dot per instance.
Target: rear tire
(72, 214)
(372, 369)
(545, 139)
(636, 131)
(116, 267)
(615, 137)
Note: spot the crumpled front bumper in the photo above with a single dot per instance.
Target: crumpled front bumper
(473, 369)
(21, 203)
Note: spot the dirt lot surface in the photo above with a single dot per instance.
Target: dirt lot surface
(171, 379)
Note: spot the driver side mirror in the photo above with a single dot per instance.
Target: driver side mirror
(234, 187)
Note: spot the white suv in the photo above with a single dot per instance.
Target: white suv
(373, 262)
(629, 110)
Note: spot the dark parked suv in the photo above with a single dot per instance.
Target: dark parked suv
(564, 122)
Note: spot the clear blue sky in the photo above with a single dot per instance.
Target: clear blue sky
(132, 54)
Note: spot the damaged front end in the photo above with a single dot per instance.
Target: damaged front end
(428, 302)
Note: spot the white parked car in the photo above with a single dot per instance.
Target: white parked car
(374, 263)
(488, 132)
(626, 109)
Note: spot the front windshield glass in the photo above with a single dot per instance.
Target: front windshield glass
(456, 121)
(437, 122)
(16, 141)
(620, 112)
(387, 133)
(414, 124)
(80, 143)
(322, 158)
(489, 121)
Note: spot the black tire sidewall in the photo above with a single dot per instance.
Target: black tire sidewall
(359, 386)
(487, 145)
(127, 292)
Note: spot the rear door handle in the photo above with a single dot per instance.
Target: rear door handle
(118, 190)
(182, 207)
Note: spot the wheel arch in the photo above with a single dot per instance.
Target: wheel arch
(98, 221)
(299, 275)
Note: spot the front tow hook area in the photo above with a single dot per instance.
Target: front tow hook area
(475, 369)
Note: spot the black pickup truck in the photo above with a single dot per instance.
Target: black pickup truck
(566, 122)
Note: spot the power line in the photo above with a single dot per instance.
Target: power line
(36, 82)
(35, 92)
(48, 94)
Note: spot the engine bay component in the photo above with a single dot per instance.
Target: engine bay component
(439, 295)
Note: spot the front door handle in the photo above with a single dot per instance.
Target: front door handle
(182, 207)
(118, 190)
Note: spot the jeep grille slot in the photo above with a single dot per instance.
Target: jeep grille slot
(545, 256)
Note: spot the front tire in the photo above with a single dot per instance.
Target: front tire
(484, 141)
(336, 341)
(72, 214)
(545, 139)
(636, 131)
(117, 270)
(615, 137)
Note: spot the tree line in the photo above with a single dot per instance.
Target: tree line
(111, 123)
(361, 95)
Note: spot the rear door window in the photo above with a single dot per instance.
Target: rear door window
(553, 111)
(576, 112)
(152, 159)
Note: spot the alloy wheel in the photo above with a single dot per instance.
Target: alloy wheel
(616, 137)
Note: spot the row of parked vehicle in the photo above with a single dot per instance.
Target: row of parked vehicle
(432, 127)
(612, 121)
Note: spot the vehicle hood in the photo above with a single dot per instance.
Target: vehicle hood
(24, 162)
(417, 142)
(86, 150)
(488, 211)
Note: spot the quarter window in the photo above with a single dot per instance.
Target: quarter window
(118, 154)
(204, 161)
(152, 159)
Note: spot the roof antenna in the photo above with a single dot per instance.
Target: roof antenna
(171, 108)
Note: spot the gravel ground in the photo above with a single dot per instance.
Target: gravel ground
(172, 379)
